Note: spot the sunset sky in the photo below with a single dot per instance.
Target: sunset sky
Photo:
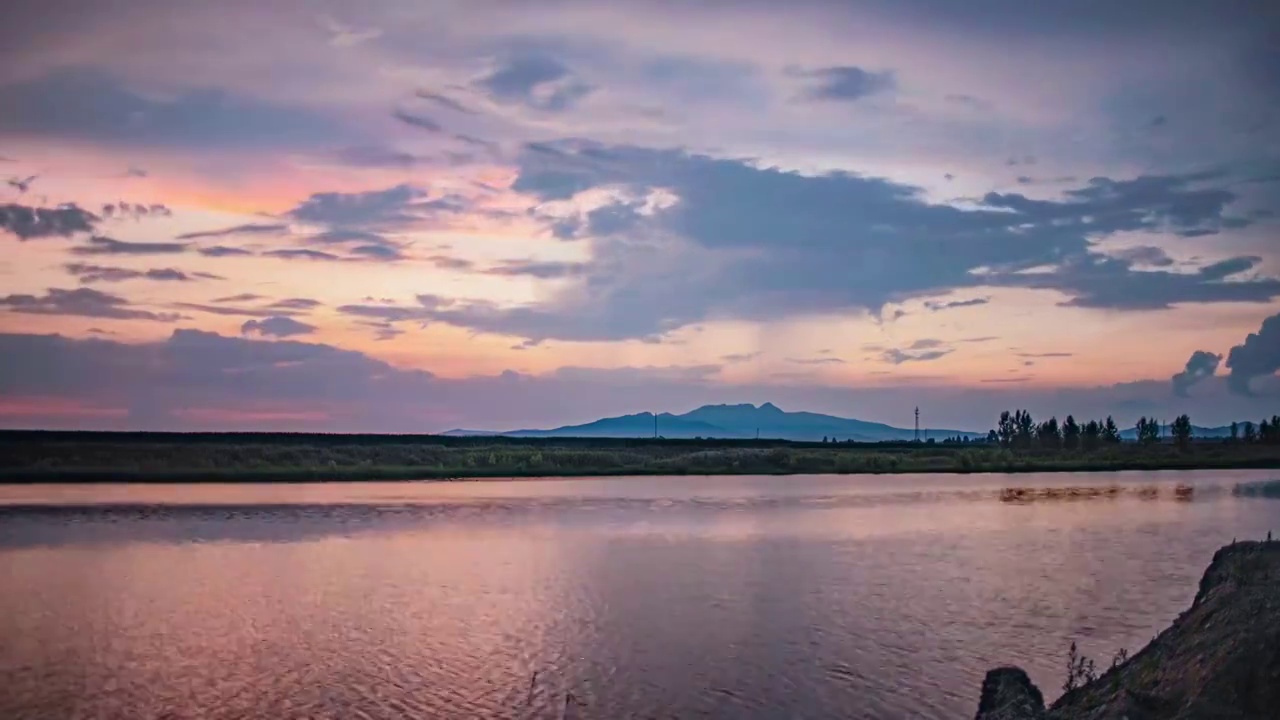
(419, 215)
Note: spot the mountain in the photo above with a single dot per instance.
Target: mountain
(733, 421)
(638, 425)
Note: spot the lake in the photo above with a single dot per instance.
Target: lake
(654, 597)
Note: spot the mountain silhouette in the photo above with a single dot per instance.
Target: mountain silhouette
(733, 421)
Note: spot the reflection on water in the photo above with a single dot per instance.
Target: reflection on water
(815, 597)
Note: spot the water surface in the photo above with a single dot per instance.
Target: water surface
(723, 597)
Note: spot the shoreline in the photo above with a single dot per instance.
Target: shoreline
(1219, 658)
(35, 457)
(325, 475)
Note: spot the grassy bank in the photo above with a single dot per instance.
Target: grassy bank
(232, 457)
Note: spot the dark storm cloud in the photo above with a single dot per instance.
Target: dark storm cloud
(1258, 356)
(772, 243)
(536, 80)
(276, 326)
(1201, 365)
(1096, 281)
(247, 229)
(81, 302)
(79, 103)
(35, 222)
(88, 274)
(845, 83)
(100, 245)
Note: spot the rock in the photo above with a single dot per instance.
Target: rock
(1219, 659)
(1008, 694)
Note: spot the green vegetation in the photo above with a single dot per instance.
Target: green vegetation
(1020, 446)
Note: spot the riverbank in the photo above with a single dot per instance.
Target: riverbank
(1220, 658)
(245, 457)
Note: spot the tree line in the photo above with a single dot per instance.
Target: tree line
(1017, 430)
(1267, 431)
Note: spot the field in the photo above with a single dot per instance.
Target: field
(251, 457)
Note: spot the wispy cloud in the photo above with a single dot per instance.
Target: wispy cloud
(102, 245)
(81, 302)
(88, 273)
(278, 326)
(845, 83)
(246, 229)
(935, 306)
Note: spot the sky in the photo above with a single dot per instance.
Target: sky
(418, 215)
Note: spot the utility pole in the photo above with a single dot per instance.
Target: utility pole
(917, 423)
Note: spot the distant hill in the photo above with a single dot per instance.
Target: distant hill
(733, 421)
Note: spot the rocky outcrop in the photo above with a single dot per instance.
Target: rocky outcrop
(1008, 694)
(1219, 659)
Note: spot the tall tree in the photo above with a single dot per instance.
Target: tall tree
(1250, 432)
(1048, 436)
(1182, 431)
(1153, 431)
(1026, 430)
(1148, 431)
(1006, 429)
(1070, 433)
(1110, 432)
(1235, 431)
(1092, 436)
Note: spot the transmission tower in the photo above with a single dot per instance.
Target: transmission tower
(917, 423)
